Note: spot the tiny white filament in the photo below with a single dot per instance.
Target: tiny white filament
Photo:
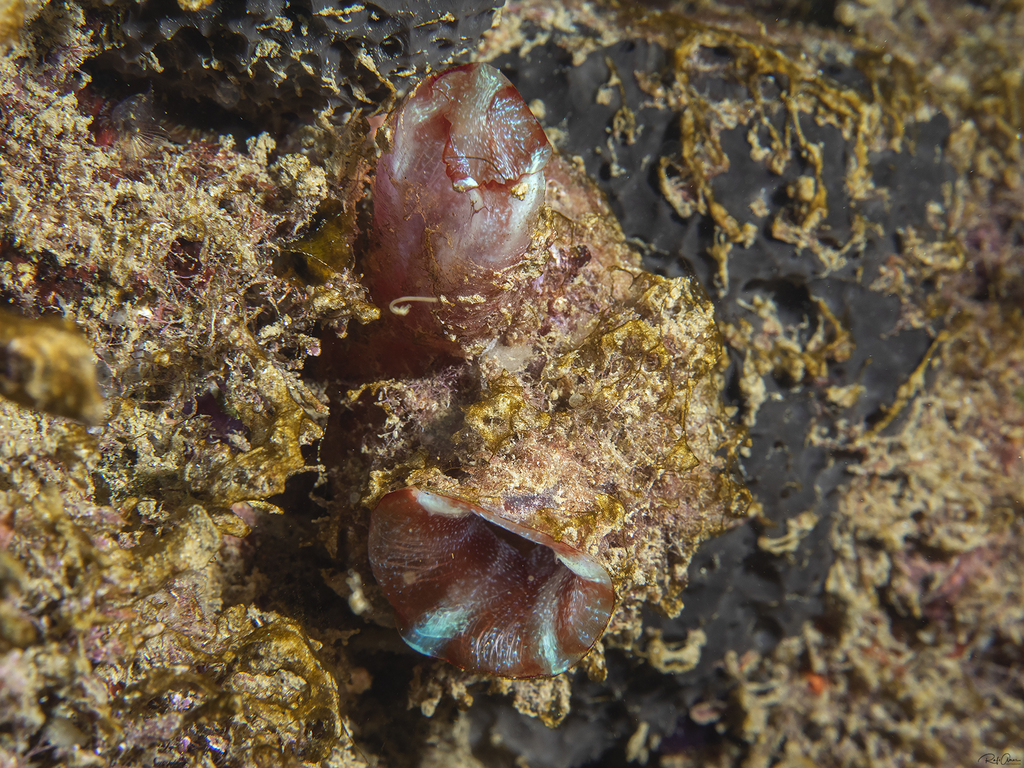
(403, 304)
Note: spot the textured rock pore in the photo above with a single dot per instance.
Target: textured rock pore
(482, 592)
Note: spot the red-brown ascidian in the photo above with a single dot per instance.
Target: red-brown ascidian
(456, 199)
(536, 423)
(485, 594)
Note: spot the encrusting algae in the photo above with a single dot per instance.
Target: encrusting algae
(50, 367)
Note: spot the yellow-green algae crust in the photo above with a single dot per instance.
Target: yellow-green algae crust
(127, 626)
(927, 589)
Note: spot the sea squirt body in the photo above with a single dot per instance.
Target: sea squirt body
(482, 592)
(456, 199)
